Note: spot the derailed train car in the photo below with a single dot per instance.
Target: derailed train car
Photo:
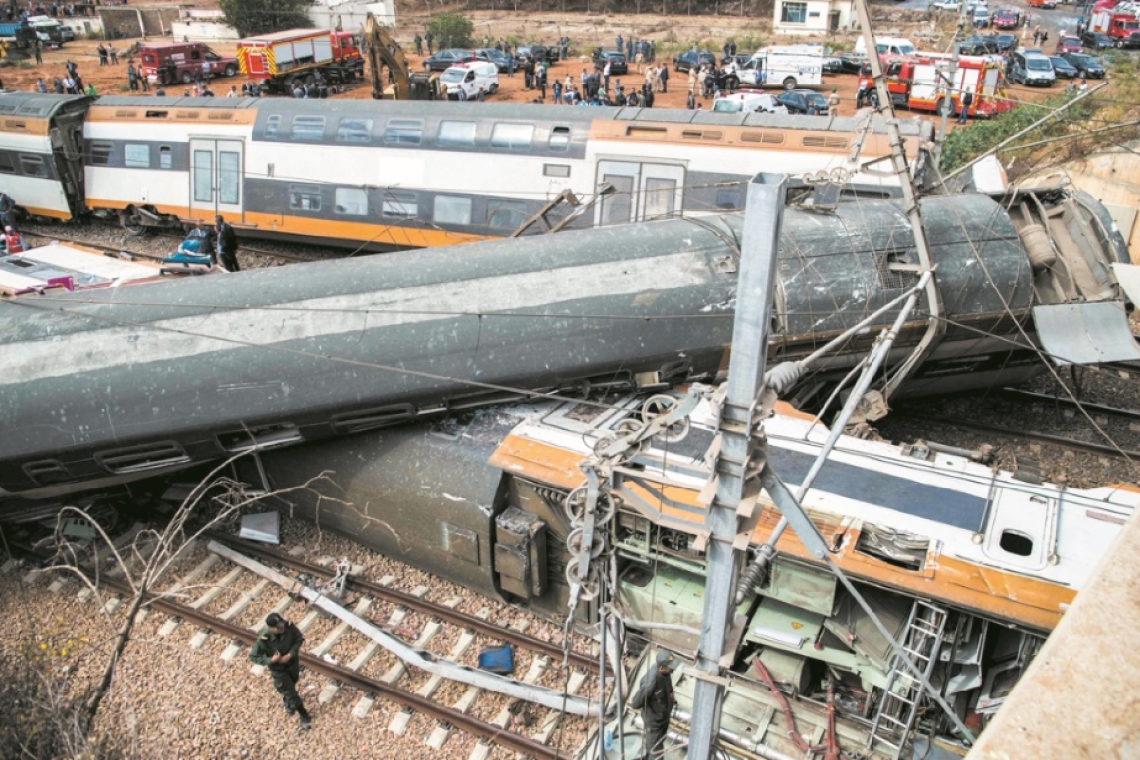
(967, 567)
(107, 387)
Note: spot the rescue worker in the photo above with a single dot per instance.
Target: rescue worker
(278, 648)
(833, 102)
(419, 44)
(226, 244)
(13, 241)
(656, 701)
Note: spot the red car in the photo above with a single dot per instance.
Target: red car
(1069, 44)
(1007, 18)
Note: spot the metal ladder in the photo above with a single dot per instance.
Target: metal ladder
(898, 706)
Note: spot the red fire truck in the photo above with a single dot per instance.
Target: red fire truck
(921, 83)
(1120, 21)
(282, 59)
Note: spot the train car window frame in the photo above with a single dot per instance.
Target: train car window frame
(229, 177)
(101, 153)
(32, 165)
(165, 157)
(451, 209)
(305, 197)
(354, 130)
(7, 165)
(307, 127)
(556, 170)
(506, 214)
(273, 126)
(404, 131)
(136, 156)
(350, 201)
(509, 136)
(456, 134)
(559, 139)
(400, 206)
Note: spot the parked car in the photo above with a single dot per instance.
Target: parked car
(1005, 42)
(1032, 68)
(801, 101)
(616, 59)
(442, 60)
(749, 102)
(537, 52)
(832, 64)
(1097, 41)
(497, 57)
(979, 44)
(946, 5)
(1087, 67)
(693, 59)
(853, 63)
(1062, 68)
(1069, 44)
(980, 16)
(1007, 18)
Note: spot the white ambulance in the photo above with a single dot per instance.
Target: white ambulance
(787, 66)
(468, 78)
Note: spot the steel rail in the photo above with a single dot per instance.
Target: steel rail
(578, 660)
(1091, 406)
(490, 732)
(1072, 443)
(153, 257)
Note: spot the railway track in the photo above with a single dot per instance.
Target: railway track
(387, 608)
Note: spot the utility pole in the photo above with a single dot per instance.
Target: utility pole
(743, 453)
(951, 83)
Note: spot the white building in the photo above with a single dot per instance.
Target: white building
(813, 16)
(349, 15)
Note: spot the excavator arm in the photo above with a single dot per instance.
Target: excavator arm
(383, 50)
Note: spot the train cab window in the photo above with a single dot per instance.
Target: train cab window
(351, 201)
(165, 157)
(33, 166)
(273, 126)
(6, 164)
(513, 136)
(101, 153)
(560, 138)
(308, 127)
(136, 156)
(456, 133)
(354, 131)
(507, 215)
(450, 209)
(305, 197)
(404, 131)
(400, 206)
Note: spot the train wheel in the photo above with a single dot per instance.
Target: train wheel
(131, 222)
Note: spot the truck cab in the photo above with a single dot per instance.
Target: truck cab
(50, 31)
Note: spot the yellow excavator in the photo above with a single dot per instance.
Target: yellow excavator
(383, 50)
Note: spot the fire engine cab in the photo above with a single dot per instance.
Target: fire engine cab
(1120, 21)
(921, 83)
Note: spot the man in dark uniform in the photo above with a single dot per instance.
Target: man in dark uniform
(227, 245)
(656, 701)
(278, 648)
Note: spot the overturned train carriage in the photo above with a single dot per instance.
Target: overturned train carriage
(968, 567)
(106, 387)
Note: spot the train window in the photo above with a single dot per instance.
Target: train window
(273, 126)
(165, 157)
(354, 131)
(506, 214)
(204, 176)
(351, 201)
(229, 170)
(136, 156)
(6, 164)
(308, 127)
(560, 138)
(1016, 542)
(450, 209)
(660, 193)
(408, 131)
(33, 166)
(101, 153)
(555, 170)
(305, 197)
(456, 133)
(400, 205)
(513, 136)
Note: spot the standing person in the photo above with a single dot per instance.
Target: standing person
(13, 241)
(540, 81)
(693, 80)
(419, 44)
(429, 38)
(41, 86)
(511, 64)
(967, 101)
(278, 648)
(7, 206)
(556, 92)
(132, 78)
(113, 53)
(833, 102)
(606, 75)
(227, 249)
(656, 701)
(102, 51)
(528, 73)
(37, 50)
(663, 78)
(618, 44)
(72, 69)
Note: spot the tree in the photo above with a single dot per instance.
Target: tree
(252, 17)
(450, 30)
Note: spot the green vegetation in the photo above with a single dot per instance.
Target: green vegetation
(450, 30)
(252, 17)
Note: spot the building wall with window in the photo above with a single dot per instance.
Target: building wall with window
(813, 16)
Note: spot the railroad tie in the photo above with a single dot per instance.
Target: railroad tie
(234, 647)
(364, 704)
(182, 585)
(554, 717)
(400, 720)
(538, 666)
(238, 607)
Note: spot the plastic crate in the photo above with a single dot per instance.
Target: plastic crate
(497, 660)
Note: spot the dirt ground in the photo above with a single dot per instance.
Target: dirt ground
(585, 32)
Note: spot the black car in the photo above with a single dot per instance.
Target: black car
(442, 60)
(1087, 67)
(1097, 41)
(537, 52)
(693, 59)
(852, 63)
(801, 101)
(979, 44)
(497, 57)
(618, 63)
(1005, 42)
(1062, 68)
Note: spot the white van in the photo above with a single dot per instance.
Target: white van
(888, 46)
(51, 31)
(787, 66)
(468, 78)
(749, 102)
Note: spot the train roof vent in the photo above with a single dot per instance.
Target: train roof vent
(187, 115)
(221, 115)
(123, 113)
(701, 134)
(157, 114)
(767, 138)
(652, 133)
(259, 438)
(150, 456)
(371, 419)
(48, 471)
(824, 141)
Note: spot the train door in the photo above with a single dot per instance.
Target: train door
(641, 191)
(216, 178)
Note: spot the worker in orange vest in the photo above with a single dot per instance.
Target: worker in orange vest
(12, 241)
